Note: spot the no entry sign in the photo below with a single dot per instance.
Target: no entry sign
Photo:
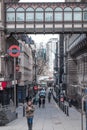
(14, 51)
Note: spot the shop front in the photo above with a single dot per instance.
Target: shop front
(6, 92)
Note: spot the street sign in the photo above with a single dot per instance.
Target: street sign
(14, 51)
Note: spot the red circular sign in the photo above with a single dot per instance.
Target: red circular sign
(14, 51)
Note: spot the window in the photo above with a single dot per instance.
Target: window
(39, 14)
(10, 16)
(85, 14)
(30, 14)
(77, 14)
(20, 14)
(68, 14)
(48, 14)
(58, 16)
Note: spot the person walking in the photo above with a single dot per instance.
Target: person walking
(30, 114)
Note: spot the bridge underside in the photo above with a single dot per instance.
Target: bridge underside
(29, 29)
(46, 18)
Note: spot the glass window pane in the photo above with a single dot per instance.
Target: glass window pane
(10, 16)
(77, 9)
(85, 14)
(58, 9)
(67, 16)
(68, 9)
(58, 16)
(77, 16)
(48, 9)
(48, 16)
(39, 17)
(29, 16)
(20, 9)
(20, 17)
(10, 9)
(39, 9)
(30, 9)
(85, 9)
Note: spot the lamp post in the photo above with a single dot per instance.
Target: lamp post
(35, 70)
(82, 97)
(15, 81)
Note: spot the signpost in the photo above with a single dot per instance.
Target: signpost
(14, 51)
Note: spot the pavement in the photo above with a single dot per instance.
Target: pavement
(49, 118)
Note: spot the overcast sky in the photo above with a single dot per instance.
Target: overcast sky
(42, 38)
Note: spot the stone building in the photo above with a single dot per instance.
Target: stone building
(76, 64)
(7, 64)
(26, 64)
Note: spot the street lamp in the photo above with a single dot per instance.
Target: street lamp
(35, 69)
(83, 99)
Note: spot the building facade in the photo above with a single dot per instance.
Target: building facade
(76, 64)
(26, 68)
(51, 52)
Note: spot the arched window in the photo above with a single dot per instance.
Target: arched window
(58, 15)
(10, 15)
(67, 14)
(85, 14)
(29, 14)
(77, 14)
(39, 14)
(48, 14)
(20, 14)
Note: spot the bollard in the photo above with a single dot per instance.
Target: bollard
(67, 111)
(16, 115)
(60, 105)
(23, 110)
(63, 107)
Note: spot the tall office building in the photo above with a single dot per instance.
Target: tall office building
(51, 51)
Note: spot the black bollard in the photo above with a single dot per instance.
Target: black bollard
(67, 111)
(23, 110)
(63, 107)
(16, 115)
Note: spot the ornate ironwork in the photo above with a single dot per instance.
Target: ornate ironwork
(7, 1)
(54, 17)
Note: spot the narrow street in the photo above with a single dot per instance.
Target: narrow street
(48, 118)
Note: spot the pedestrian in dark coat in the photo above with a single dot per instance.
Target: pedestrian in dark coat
(39, 102)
